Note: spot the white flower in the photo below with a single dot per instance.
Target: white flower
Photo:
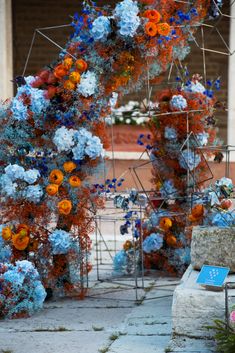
(88, 84)
(64, 139)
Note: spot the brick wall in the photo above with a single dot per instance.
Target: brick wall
(31, 14)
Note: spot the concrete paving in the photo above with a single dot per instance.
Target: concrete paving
(109, 320)
(113, 318)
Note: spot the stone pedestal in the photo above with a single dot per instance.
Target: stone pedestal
(213, 246)
(195, 307)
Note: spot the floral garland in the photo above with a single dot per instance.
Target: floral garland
(182, 133)
(53, 130)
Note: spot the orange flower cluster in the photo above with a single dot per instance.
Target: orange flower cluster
(56, 179)
(20, 238)
(70, 72)
(153, 27)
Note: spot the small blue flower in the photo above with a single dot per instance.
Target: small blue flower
(61, 241)
(152, 243)
(168, 189)
(170, 133)
(178, 102)
(120, 262)
(189, 159)
(202, 138)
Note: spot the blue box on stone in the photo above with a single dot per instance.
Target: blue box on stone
(213, 277)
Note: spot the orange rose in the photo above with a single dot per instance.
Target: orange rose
(52, 189)
(151, 29)
(127, 245)
(20, 241)
(81, 65)
(68, 62)
(56, 177)
(152, 15)
(165, 223)
(74, 181)
(69, 85)
(65, 207)
(60, 71)
(75, 77)
(69, 166)
(197, 213)
(6, 233)
(171, 240)
(163, 29)
(23, 229)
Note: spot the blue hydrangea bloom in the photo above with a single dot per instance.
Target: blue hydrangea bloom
(189, 159)
(38, 101)
(182, 256)
(33, 193)
(61, 241)
(202, 138)
(14, 172)
(101, 28)
(178, 102)
(64, 139)
(7, 186)
(170, 133)
(88, 84)
(31, 176)
(94, 147)
(27, 293)
(152, 243)
(79, 152)
(120, 262)
(128, 19)
(223, 219)
(18, 109)
(14, 277)
(168, 189)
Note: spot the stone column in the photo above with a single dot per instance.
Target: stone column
(231, 85)
(6, 56)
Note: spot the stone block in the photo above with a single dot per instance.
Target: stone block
(194, 307)
(213, 246)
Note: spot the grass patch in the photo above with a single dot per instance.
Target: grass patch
(114, 336)
(104, 350)
(6, 351)
(56, 329)
(98, 328)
